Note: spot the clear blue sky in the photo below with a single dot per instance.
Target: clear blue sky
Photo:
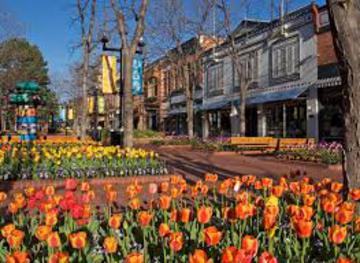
(48, 25)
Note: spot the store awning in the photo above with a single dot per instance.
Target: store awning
(216, 105)
(177, 111)
(282, 95)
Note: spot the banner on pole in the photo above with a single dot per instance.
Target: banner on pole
(109, 74)
(137, 74)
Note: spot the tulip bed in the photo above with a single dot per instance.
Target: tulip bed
(50, 161)
(243, 219)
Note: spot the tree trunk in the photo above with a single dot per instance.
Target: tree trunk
(128, 121)
(345, 21)
(84, 108)
(242, 113)
(189, 104)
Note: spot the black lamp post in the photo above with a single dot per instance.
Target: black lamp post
(104, 40)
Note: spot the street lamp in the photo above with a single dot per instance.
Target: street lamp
(104, 40)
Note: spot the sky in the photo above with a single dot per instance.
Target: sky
(48, 25)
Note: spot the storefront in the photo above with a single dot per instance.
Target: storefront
(286, 119)
(331, 116)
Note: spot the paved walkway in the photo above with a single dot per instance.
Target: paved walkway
(193, 164)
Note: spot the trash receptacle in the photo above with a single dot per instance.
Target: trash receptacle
(116, 138)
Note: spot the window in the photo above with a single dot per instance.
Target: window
(324, 19)
(215, 78)
(249, 66)
(285, 58)
(167, 82)
(152, 88)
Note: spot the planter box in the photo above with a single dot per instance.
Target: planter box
(184, 146)
(336, 167)
(21, 184)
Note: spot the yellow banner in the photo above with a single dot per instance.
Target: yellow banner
(91, 104)
(101, 105)
(70, 114)
(109, 74)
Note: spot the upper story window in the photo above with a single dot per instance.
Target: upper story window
(324, 19)
(249, 67)
(152, 88)
(214, 81)
(167, 82)
(285, 58)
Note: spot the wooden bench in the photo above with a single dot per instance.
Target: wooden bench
(284, 143)
(268, 143)
(253, 143)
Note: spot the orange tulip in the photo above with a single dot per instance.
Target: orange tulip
(277, 190)
(337, 234)
(78, 240)
(134, 204)
(185, 214)
(173, 215)
(303, 228)
(3, 196)
(42, 232)
(165, 202)
(59, 257)
(209, 177)
(29, 191)
(115, 221)
(13, 208)
(344, 260)
(199, 256)
(228, 255)
(50, 190)
(164, 187)
(336, 187)
(204, 214)
(309, 199)
(266, 257)
(144, 218)
(294, 187)
(176, 241)
(212, 236)
(16, 238)
(357, 225)
(85, 187)
(108, 187)
(164, 229)
(18, 257)
(51, 218)
(7, 229)
(111, 196)
(266, 182)
(110, 245)
(328, 206)
(355, 194)
(175, 192)
(250, 244)
(134, 257)
(53, 240)
(344, 216)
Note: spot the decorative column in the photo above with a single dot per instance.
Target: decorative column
(205, 125)
(261, 120)
(312, 114)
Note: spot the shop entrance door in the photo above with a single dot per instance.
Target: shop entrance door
(251, 122)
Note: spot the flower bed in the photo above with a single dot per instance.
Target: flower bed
(243, 219)
(327, 153)
(45, 161)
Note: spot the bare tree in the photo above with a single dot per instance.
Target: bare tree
(345, 26)
(87, 24)
(173, 25)
(129, 46)
(239, 66)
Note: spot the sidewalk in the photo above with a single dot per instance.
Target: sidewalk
(193, 164)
